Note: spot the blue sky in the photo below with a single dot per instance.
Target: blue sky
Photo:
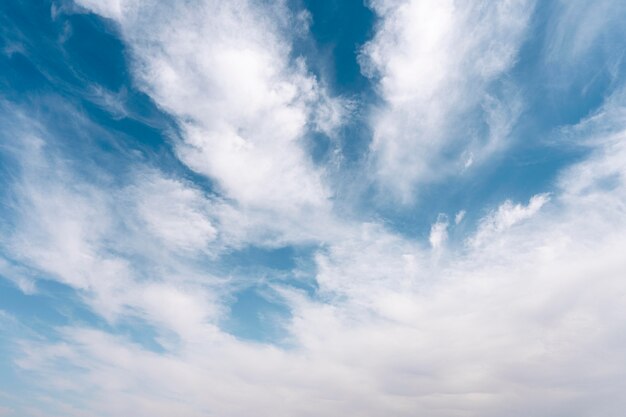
(312, 208)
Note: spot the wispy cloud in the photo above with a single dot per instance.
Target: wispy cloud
(512, 309)
(226, 73)
(437, 67)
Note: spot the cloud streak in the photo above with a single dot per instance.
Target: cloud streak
(436, 65)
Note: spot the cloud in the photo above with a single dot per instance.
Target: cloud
(176, 213)
(492, 329)
(20, 276)
(585, 28)
(243, 105)
(439, 232)
(434, 63)
(506, 216)
(128, 249)
(523, 317)
(458, 218)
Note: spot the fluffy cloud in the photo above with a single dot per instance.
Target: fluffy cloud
(492, 329)
(176, 213)
(244, 106)
(434, 62)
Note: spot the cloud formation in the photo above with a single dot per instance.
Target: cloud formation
(436, 65)
(225, 71)
(510, 307)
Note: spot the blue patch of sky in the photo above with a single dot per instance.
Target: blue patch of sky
(32, 318)
(257, 314)
(256, 311)
(73, 67)
(338, 30)
(282, 258)
(559, 88)
(41, 309)
(289, 266)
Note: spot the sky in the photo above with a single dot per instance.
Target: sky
(312, 208)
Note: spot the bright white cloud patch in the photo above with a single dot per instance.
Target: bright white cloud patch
(175, 213)
(439, 232)
(224, 70)
(506, 216)
(435, 63)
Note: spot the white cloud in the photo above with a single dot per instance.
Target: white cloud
(435, 61)
(244, 106)
(127, 250)
(176, 213)
(20, 276)
(507, 215)
(492, 329)
(366, 262)
(439, 232)
(458, 218)
(582, 26)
